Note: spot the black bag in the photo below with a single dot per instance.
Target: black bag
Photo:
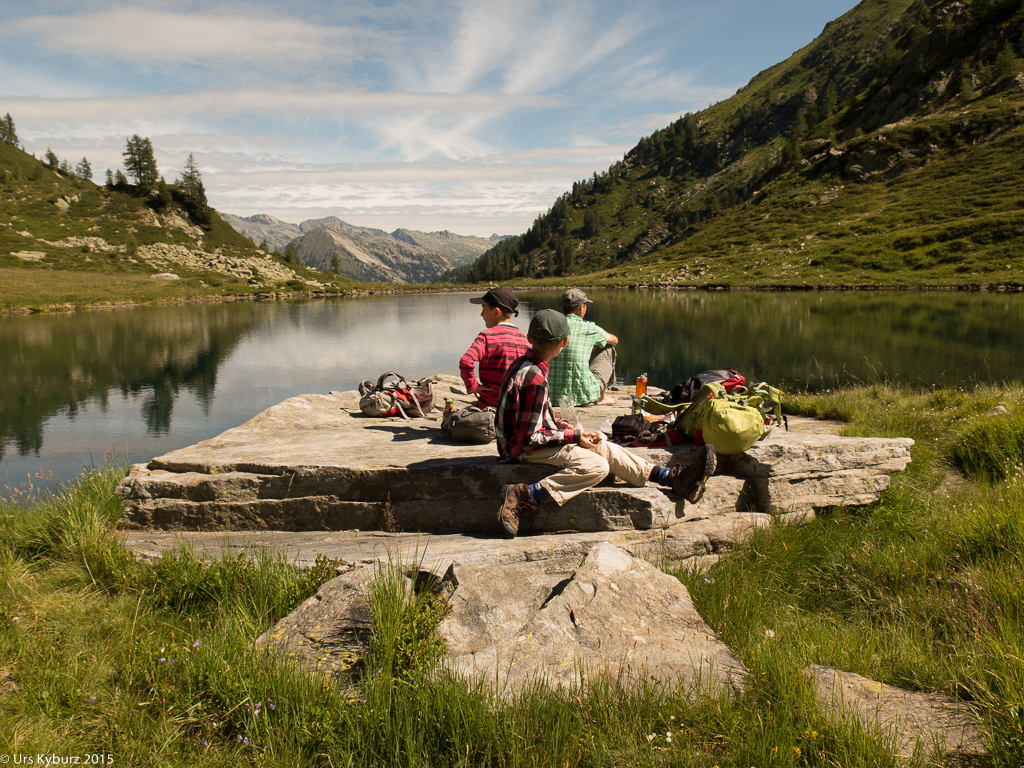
(470, 425)
(684, 393)
(635, 430)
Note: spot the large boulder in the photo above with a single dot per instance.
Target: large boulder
(614, 615)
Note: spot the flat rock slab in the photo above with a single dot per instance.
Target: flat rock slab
(314, 462)
(914, 719)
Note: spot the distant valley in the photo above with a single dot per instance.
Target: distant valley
(363, 253)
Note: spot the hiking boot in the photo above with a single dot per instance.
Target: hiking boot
(689, 481)
(516, 503)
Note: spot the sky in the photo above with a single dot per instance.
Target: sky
(471, 116)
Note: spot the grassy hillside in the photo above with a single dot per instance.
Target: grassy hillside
(884, 153)
(67, 242)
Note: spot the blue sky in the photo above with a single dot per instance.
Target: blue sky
(466, 115)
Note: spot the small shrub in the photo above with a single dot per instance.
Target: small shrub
(405, 621)
(990, 447)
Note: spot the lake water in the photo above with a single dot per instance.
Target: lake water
(137, 383)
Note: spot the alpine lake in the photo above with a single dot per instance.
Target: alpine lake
(85, 387)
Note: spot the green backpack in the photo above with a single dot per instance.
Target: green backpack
(730, 421)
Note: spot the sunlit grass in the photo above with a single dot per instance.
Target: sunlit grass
(155, 663)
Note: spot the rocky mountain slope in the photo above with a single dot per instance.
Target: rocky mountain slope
(364, 253)
(886, 152)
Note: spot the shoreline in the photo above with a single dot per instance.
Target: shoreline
(346, 294)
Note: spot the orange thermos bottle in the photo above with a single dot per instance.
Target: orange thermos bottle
(641, 385)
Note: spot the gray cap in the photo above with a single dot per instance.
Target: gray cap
(551, 321)
(574, 297)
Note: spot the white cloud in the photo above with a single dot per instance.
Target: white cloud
(148, 34)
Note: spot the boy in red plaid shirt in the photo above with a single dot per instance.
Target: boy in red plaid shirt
(528, 432)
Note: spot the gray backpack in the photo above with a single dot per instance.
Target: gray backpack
(469, 425)
(392, 395)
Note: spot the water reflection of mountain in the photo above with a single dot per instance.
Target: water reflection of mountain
(813, 339)
(54, 363)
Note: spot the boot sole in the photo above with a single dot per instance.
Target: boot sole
(505, 525)
(710, 457)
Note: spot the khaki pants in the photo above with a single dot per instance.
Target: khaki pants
(583, 468)
(602, 365)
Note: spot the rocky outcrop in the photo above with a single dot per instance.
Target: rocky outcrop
(563, 620)
(314, 462)
(253, 268)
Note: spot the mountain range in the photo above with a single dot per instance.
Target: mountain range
(886, 152)
(363, 253)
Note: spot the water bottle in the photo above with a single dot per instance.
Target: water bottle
(641, 385)
(449, 406)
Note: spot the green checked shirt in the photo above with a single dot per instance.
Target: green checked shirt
(569, 372)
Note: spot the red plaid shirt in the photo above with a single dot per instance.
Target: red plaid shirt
(495, 349)
(525, 420)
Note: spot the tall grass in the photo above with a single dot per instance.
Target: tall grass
(154, 663)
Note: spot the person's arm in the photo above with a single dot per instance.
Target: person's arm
(467, 363)
(610, 339)
(532, 433)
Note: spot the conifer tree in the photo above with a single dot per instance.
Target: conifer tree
(51, 160)
(84, 170)
(192, 182)
(140, 161)
(7, 132)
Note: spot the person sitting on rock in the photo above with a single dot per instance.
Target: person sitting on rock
(528, 432)
(495, 348)
(587, 367)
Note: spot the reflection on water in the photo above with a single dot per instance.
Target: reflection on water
(810, 340)
(148, 380)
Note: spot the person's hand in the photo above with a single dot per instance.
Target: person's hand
(590, 440)
(484, 388)
(563, 424)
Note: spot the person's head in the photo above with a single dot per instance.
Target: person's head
(548, 334)
(498, 306)
(574, 301)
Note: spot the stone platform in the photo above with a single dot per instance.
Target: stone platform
(315, 463)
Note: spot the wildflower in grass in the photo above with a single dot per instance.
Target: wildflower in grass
(650, 737)
(195, 644)
(92, 699)
(796, 751)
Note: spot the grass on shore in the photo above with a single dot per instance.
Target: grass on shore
(154, 663)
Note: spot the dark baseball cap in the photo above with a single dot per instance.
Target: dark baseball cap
(553, 322)
(501, 297)
(574, 297)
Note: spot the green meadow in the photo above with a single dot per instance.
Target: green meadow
(153, 662)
